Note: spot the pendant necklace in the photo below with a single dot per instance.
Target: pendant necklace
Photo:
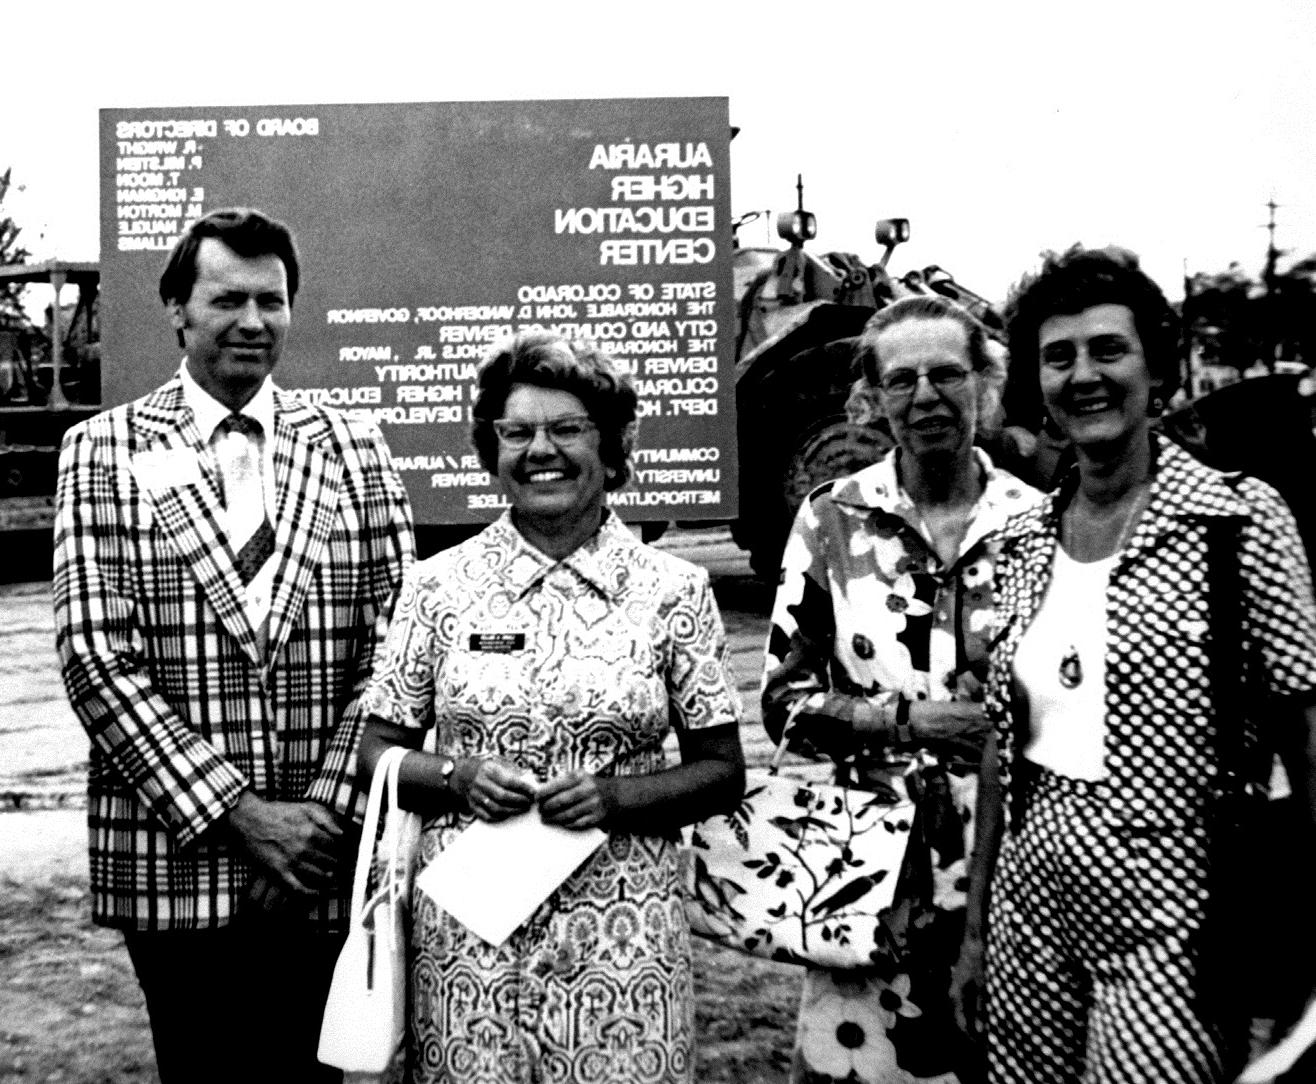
(1071, 669)
(1071, 664)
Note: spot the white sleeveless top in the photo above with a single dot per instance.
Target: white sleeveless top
(1061, 666)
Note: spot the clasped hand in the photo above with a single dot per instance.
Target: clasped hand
(495, 790)
(297, 847)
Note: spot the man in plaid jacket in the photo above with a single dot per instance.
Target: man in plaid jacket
(216, 656)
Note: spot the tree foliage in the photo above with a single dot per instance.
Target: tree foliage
(12, 314)
(1235, 320)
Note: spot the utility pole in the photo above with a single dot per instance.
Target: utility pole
(1272, 253)
(1270, 277)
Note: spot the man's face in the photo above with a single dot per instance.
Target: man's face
(234, 324)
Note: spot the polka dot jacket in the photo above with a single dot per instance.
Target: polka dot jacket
(1159, 758)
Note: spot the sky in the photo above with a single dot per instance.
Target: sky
(999, 130)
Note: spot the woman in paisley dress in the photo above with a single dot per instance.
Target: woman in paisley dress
(877, 647)
(554, 653)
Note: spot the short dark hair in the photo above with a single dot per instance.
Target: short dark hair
(545, 360)
(246, 231)
(1066, 285)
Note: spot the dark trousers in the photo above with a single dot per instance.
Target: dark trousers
(238, 1003)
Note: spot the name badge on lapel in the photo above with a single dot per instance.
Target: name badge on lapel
(499, 643)
(161, 470)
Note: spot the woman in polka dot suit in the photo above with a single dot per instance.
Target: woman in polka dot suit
(1101, 696)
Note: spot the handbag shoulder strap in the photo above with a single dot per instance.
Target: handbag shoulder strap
(1229, 659)
(383, 780)
(1226, 635)
(395, 821)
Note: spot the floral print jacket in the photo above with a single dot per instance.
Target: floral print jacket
(867, 609)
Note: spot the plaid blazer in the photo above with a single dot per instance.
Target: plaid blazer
(162, 665)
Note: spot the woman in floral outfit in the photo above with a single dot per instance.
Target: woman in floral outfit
(554, 653)
(877, 646)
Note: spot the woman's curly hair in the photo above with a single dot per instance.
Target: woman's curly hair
(1067, 284)
(546, 360)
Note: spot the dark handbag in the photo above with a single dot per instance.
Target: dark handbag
(1248, 940)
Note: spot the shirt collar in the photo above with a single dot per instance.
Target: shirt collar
(877, 488)
(1182, 488)
(209, 411)
(603, 561)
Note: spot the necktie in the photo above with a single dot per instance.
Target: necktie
(240, 468)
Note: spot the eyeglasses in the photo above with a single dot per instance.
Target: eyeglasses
(564, 432)
(1102, 349)
(902, 382)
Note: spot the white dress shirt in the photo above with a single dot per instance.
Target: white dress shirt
(209, 412)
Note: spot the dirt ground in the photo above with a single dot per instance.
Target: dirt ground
(70, 1008)
(71, 1011)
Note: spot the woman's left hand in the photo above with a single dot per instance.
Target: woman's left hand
(576, 800)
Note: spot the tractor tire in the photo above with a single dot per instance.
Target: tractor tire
(829, 448)
(796, 436)
(832, 448)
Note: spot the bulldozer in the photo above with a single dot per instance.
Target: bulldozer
(799, 317)
(48, 383)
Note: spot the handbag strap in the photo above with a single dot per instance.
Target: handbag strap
(1229, 662)
(393, 821)
(384, 779)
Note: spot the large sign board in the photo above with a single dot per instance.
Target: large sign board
(429, 231)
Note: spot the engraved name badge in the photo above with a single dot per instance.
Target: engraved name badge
(501, 643)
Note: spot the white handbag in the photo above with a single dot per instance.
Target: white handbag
(365, 1015)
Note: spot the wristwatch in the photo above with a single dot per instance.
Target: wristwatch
(447, 766)
(904, 732)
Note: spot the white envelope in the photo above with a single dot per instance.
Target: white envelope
(166, 469)
(491, 877)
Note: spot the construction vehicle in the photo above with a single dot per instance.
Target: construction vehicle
(799, 317)
(47, 384)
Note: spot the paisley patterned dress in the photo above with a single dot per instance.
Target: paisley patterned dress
(582, 663)
(867, 610)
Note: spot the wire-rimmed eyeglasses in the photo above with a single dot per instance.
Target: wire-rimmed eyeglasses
(902, 382)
